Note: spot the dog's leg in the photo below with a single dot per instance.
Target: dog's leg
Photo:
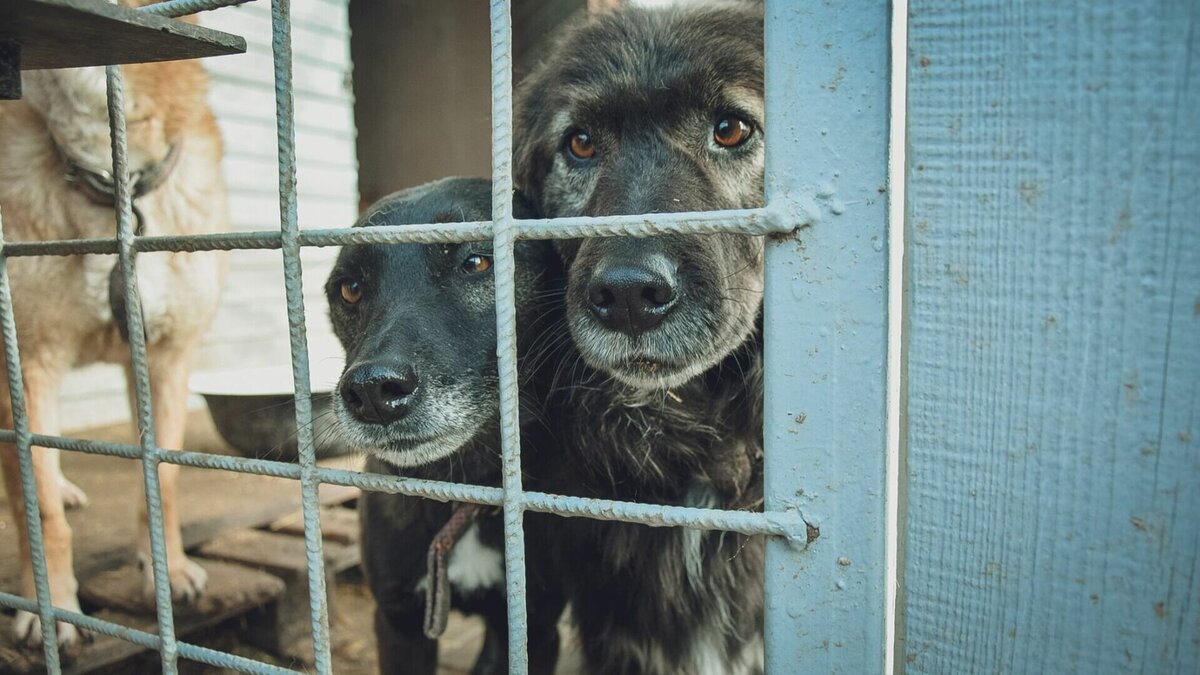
(73, 497)
(169, 367)
(402, 647)
(41, 389)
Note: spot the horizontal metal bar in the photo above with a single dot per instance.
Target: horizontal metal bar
(430, 489)
(177, 8)
(30, 249)
(416, 487)
(147, 640)
(746, 221)
(787, 524)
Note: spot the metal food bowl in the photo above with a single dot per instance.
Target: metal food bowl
(254, 411)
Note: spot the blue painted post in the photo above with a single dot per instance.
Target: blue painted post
(826, 313)
(1054, 343)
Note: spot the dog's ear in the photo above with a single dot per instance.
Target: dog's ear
(531, 161)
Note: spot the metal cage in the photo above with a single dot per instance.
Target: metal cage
(825, 323)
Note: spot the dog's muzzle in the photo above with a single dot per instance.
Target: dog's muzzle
(633, 298)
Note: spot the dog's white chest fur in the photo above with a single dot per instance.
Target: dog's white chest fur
(154, 283)
(473, 565)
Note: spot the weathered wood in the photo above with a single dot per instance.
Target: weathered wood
(232, 590)
(283, 628)
(338, 524)
(212, 502)
(74, 33)
(1054, 343)
(281, 554)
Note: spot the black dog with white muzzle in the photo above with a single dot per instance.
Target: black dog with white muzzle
(420, 395)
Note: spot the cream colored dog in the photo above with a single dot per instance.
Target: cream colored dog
(53, 145)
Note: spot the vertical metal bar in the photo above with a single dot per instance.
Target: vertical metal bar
(825, 323)
(141, 373)
(33, 514)
(281, 44)
(504, 232)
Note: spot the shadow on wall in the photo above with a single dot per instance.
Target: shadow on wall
(422, 85)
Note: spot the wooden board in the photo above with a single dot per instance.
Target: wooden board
(1053, 248)
(276, 553)
(212, 502)
(74, 33)
(232, 590)
(338, 524)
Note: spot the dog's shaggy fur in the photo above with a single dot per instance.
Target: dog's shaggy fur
(668, 410)
(62, 304)
(425, 313)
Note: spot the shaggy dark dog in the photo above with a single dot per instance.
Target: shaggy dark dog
(649, 111)
(420, 395)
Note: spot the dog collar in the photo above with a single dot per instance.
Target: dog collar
(437, 591)
(98, 185)
(99, 188)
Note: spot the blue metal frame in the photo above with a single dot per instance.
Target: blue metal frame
(825, 344)
(827, 84)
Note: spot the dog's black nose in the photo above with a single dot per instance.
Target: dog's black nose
(631, 299)
(379, 393)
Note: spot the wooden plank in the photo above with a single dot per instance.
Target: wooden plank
(1053, 371)
(75, 33)
(281, 554)
(232, 590)
(106, 530)
(338, 524)
(285, 627)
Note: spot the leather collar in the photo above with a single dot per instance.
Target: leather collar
(98, 185)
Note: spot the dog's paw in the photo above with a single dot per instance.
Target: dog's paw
(27, 630)
(73, 496)
(187, 579)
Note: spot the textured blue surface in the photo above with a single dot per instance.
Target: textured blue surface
(826, 313)
(1054, 338)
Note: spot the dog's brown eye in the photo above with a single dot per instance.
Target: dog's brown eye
(476, 263)
(731, 131)
(352, 292)
(581, 145)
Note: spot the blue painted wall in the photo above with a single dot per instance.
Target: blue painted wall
(1053, 260)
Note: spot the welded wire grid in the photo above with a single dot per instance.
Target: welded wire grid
(504, 231)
